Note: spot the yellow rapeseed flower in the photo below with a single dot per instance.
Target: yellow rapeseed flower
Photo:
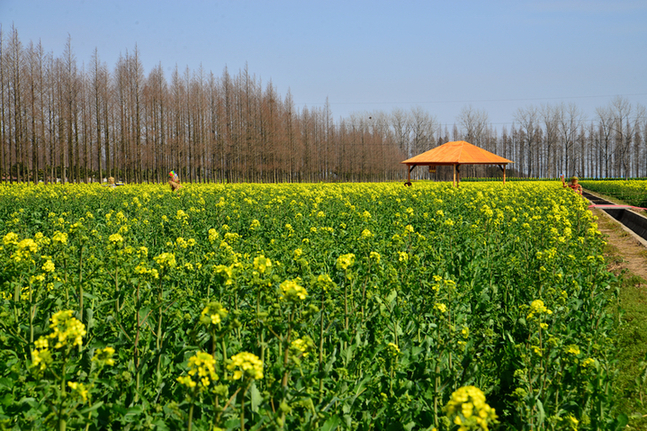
(302, 346)
(393, 349)
(49, 266)
(573, 349)
(292, 291)
(366, 234)
(166, 260)
(345, 261)
(28, 245)
(213, 235)
(325, 282)
(104, 356)
(403, 256)
(41, 358)
(440, 307)
(10, 239)
(224, 274)
(468, 409)
(246, 365)
(262, 264)
(59, 237)
(213, 313)
(116, 239)
(67, 330)
(79, 390)
(537, 307)
(202, 371)
(187, 381)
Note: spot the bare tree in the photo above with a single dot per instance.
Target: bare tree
(4, 145)
(626, 121)
(569, 119)
(402, 129)
(35, 79)
(550, 119)
(423, 129)
(528, 122)
(605, 133)
(15, 67)
(474, 123)
(99, 93)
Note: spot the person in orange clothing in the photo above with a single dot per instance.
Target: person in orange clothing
(574, 184)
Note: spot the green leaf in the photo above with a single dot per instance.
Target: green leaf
(392, 295)
(6, 400)
(91, 408)
(256, 397)
(161, 425)
(31, 402)
(331, 424)
(134, 411)
(621, 421)
(542, 414)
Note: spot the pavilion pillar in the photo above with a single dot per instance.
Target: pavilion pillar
(504, 174)
(454, 180)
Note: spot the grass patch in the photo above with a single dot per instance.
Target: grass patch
(631, 382)
(631, 341)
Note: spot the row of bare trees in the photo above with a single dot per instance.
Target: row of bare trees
(62, 122)
(560, 139)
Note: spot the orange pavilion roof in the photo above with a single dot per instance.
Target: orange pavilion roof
(457, 153)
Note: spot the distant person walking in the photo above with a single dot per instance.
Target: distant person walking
(574, 184)
(174, 182)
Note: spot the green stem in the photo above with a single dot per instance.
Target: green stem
(32, 313)
(346, 306)
(344, 344)
(395, 328)
(62, 423)
(159, 329)
(117, 307)
(67, 295)
(242, 410)
(136, 349)
(224, 358)
(286, 353)
(436, 388)
(190, 417)
(81, 283)
(321, 342)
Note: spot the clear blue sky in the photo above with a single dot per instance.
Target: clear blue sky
(371, 55)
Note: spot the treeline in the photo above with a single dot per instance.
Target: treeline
(62, 122)
(59, 121)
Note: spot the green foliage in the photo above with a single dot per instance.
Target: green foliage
(336, 306)
(633, 192)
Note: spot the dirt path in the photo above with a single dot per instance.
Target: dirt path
(632, 254)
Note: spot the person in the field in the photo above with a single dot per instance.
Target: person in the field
(174, 182)
(574, 184)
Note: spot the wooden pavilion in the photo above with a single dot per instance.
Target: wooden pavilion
(455, 153)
